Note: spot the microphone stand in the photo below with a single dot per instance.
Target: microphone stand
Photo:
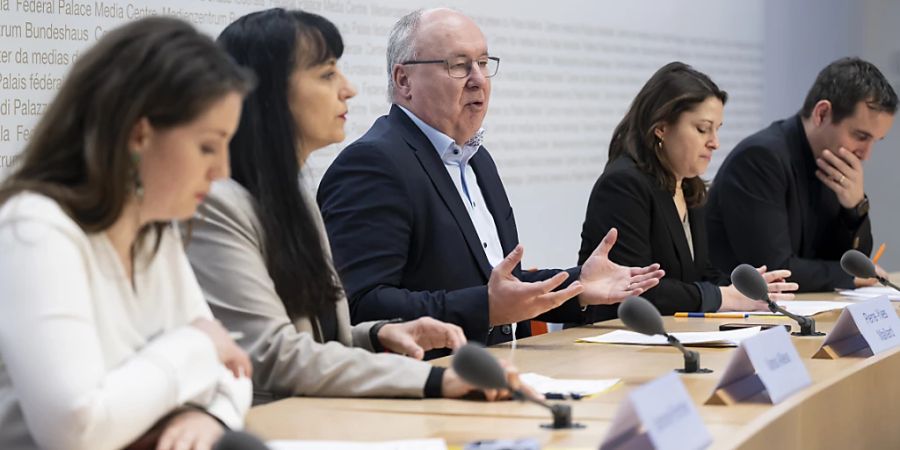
(807, 324)
(562, 414)
(884, 281)
(691, 358)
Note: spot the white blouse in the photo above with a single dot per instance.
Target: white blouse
(87, 361)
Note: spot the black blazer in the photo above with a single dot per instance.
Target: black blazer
(766, 206)
(402, 240)
(650, 231)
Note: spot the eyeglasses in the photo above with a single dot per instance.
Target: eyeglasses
(461, 67)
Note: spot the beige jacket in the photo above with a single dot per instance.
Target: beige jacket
(225, 249)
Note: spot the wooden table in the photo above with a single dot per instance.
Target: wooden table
(852, 403)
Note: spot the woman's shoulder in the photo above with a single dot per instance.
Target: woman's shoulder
(35, 208)
(36, 223)
(229, 200)
(624, 167)
(623, 173)
(231, 194)
(229, 207)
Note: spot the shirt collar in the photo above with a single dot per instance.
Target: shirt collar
(802, 151)
(446, 147)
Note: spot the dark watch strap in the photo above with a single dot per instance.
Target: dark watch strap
(373, 334)
(855, 214)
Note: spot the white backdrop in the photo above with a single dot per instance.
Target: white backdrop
(568, 71)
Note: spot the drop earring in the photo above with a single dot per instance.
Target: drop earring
(136, 176)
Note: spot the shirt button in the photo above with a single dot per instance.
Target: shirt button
(484, 244)
(455, 152)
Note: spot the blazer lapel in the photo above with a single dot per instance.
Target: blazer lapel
(676, 231)
(697, 218)
(443, 184)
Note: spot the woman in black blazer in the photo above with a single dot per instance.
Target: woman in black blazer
(652, 192)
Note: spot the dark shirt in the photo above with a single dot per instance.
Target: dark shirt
(766, 206)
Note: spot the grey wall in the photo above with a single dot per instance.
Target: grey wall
(880, 43)
(801, 37)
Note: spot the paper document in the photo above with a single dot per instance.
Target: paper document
(730, 338)
(804, 307)
(411, 444)
(566, 388)
(872, 292)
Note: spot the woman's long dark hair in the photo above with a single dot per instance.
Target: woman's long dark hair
(672, 90)
(274, 43)
(157, 68)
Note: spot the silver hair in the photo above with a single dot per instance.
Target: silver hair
(401, 45)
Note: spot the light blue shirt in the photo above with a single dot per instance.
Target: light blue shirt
(456, 161)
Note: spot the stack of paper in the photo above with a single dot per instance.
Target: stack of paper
(566, 388)
(412, 444)
(729, 338)
(871, 292)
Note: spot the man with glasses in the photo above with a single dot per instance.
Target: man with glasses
(416, 213)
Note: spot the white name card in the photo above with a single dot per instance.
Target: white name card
(660, 415)
(863, 329)
(766, 366)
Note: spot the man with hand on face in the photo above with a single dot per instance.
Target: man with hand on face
(417, 216)
(792, 195)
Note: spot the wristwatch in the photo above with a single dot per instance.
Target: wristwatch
(856, 213)
(373, 334)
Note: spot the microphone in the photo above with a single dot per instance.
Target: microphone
(479, 368)
(857, 264)
(239, 440)
(640, 315)
(749, 282)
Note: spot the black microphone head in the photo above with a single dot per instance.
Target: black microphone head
(239, 440)
(478, 367)
(640, 315)
(748, 281)
(857, 264)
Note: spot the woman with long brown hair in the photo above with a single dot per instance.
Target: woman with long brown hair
(103, 328)
(652, 192)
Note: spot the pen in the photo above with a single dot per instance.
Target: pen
(562, 396)
(879, 253)
(713, 315)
